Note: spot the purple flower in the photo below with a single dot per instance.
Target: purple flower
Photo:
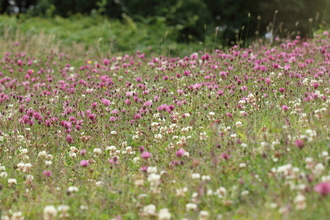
(112, 118)
(94, 104)
(114, 161)
(137, 116)
(323, 188)
(69, 139)
(144, 169)
(180, 152)
(281, 90)
(83, 152)
(285, 108)
(146, 155)
(142, 149)
(225, 156)
(147, 104)
(47, 173)
(106, 102)
(299, 143)
(84, 163)
(128, 102)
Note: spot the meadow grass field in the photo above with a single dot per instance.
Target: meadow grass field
(235, 134)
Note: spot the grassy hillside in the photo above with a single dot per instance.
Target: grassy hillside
(99, 34)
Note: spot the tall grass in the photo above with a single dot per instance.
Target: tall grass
(96, 34)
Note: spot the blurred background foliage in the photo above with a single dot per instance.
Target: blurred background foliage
(166, 25)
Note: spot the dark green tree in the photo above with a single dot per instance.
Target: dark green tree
(190, 17)
(16, 6)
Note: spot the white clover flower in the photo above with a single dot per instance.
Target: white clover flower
(238, 124)
(153, 177)
(111, 148)
(195, 176)
(272, 205)
(210, 192)
(245, 193)
(285, 169)
(206, 177)
(142, 196)
(24, 151)
(311, 133)
(187, 115)
(136, 159)
(149, 210)
(97, 151)
(325, 178)
(295, 170)
(242, 165)
(203, 215)
(135, 137)
(300, 198)
(211, 113)
(83, 207)
(129, 149)
(325, 154)
(194, 195)
(184, 130)
(63, 210)
(99, 184)
(244, 145)
(29, 178)
(319, 168)
(152, 170)
(186, 154)
(50, 212)
(305, 82)
(42, 154)
(72, 155)
(3, 174)
(202, 136)
(181, 192)
(164, 214)
(12, 182)
(300, 202)
(73, 189)
(263, 144)
(191, 207)
(242, 101)
(17, 216)
(74, 149)
(158, 136)
(308, 160)
(20, 166)
(221, 192)
(163, 172)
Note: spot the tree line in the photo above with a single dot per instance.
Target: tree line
(195, 19)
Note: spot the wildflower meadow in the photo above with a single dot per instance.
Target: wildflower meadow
(237, 134)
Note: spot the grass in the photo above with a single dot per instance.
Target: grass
(97, 135)
(99, 35)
